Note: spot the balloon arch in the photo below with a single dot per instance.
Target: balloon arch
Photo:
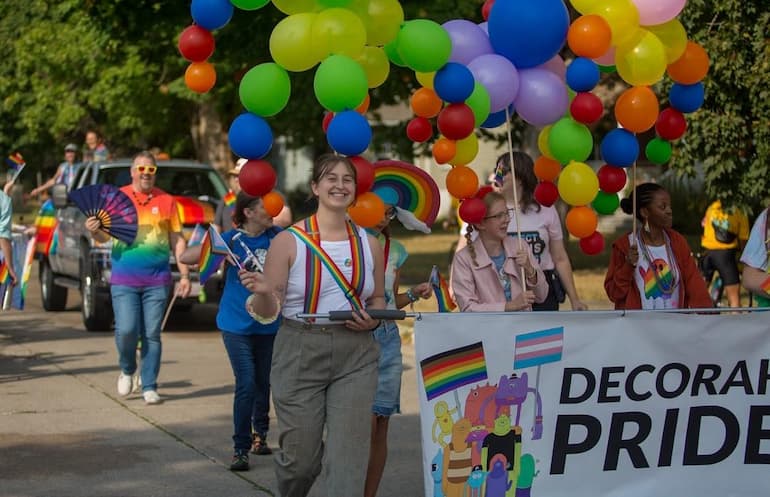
(472, 76)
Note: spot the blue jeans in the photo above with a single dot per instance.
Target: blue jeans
(138, 314)
(387, 399)
(250, 358)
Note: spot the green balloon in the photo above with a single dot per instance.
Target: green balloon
(340, 83)
(265, 89)
(249, 4)
(424, 45)
(391, 50)
(607, 69)
(570, 140)
(606, 203)
(333, 3)
(479, 103)
(658, 151)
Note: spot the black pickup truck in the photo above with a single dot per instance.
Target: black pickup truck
(70, 259)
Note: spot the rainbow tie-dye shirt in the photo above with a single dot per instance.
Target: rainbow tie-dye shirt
(146, 261)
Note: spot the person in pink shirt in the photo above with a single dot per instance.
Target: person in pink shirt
(487, 273)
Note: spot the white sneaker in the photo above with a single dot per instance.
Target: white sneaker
(151, 397)
(136, 384)
(124, 384)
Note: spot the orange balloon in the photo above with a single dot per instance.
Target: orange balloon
(547, 169)
(361, 109)
(589, 36)
(444, 150)
(273, 203)
(581, 221)
(637, 109)
(425, 103)
(368, 210)
(691, 67)
(200, 77)
(462, 182)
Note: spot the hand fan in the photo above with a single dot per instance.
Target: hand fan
(114, 209)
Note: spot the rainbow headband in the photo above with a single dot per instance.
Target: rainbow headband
(408, 187)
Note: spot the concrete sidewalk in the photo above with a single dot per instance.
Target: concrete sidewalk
(64, 431)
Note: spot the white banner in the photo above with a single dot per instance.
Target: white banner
(594, 404)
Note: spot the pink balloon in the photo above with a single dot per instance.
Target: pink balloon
(608, 59)
(652, 12)
(557, 66)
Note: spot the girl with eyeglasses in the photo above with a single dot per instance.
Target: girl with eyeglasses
(486, 274)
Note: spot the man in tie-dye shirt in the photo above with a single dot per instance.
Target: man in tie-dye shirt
(141, 277)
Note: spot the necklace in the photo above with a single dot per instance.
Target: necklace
(144, 202)
(667, 288)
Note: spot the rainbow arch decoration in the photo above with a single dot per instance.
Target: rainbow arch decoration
(408, 187)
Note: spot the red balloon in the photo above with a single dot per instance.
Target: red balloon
(364, 174)
(486, 9)
(671, 124)
(472, 210)
(257, 178)
(483, 190)
(586, 108)
(546, 193)
(419, 130)
(456, 121)
(328, 116)
(611, 179)
(592, 244)
(196, 44)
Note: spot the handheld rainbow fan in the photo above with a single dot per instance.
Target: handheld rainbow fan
(114, 209)
(408, 187)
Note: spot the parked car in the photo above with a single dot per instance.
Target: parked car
(70, 259)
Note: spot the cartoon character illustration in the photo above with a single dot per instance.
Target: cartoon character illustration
(478, 406)
(436, 472)
(658, 280)
(475, 437)
(443, 421)
(527, 473)
(457, 460)
(475, 482)
(498, 482)
(513, 391)
(504, 440)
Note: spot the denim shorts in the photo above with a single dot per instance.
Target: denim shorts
(387, 400)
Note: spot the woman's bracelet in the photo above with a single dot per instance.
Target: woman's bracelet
(258, 317)
(411, 296)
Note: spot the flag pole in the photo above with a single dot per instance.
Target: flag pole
(168, 310)
(515, 193)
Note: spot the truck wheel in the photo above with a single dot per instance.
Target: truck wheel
(95, 306)
(54, 297)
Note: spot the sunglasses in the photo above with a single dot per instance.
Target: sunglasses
(142, 169)
(391, 213)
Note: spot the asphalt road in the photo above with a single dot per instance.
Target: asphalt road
(64, 431)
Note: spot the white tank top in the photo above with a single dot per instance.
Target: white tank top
(332, 298)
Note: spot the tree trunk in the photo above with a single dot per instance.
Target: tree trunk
(210, 138)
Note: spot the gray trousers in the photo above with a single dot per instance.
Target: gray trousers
(323, 376)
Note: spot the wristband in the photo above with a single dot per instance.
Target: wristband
(184, 276)
(411, 296)
(258, 317)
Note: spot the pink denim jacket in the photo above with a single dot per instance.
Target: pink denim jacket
(477, 287)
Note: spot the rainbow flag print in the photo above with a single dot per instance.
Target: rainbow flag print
(193, 211)
(229, 199)
(452, 369)
(538, 347)
(45, 224)
(197, 235)
(15, 161)
(3, 270)
(209, 261)
(29, 259)
(441, 291)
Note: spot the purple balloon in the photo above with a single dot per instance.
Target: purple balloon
(468, 41)
(542, 97)
(557, 66)
(499, 77)
(484, 27)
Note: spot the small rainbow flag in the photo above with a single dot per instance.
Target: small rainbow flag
(15, 161)
(193, 211)
(4, 274)
(209, 262)
(196, 237)
(450, 370)
(45, 224)
(441, 291)
(29, 259)
(229, 199)
(538, 347)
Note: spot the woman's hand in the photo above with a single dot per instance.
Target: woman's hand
(522, 258)
(633, 255)
(254, 282)
(578, 305)
(93, 224)
(362, 322)
(423, 290)
(522, 301)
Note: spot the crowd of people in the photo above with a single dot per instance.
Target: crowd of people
(335, 384)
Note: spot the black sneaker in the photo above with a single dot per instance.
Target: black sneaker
(259, 445)
(240, 462)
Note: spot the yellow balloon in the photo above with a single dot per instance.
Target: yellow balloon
(338, 32)
(376, 65)
(382, 18)
(673, 36)
(644, 63)
(622, 17)
(578, 184)
(467, 150)
(291, 7)
(585, 6)
(291, 43)
(542, 142)
(425, 78)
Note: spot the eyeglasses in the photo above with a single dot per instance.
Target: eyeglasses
(499, 216)
(142, 169)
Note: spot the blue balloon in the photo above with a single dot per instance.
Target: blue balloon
(349, 133)
(620, 148)
(211, 14)
(582, 74)
(686, 98)
(495, 119)
(453, 83)
(250, 136)
(528, 32)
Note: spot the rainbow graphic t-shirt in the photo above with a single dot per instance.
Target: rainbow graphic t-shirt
(145, 261)
(661, 292)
